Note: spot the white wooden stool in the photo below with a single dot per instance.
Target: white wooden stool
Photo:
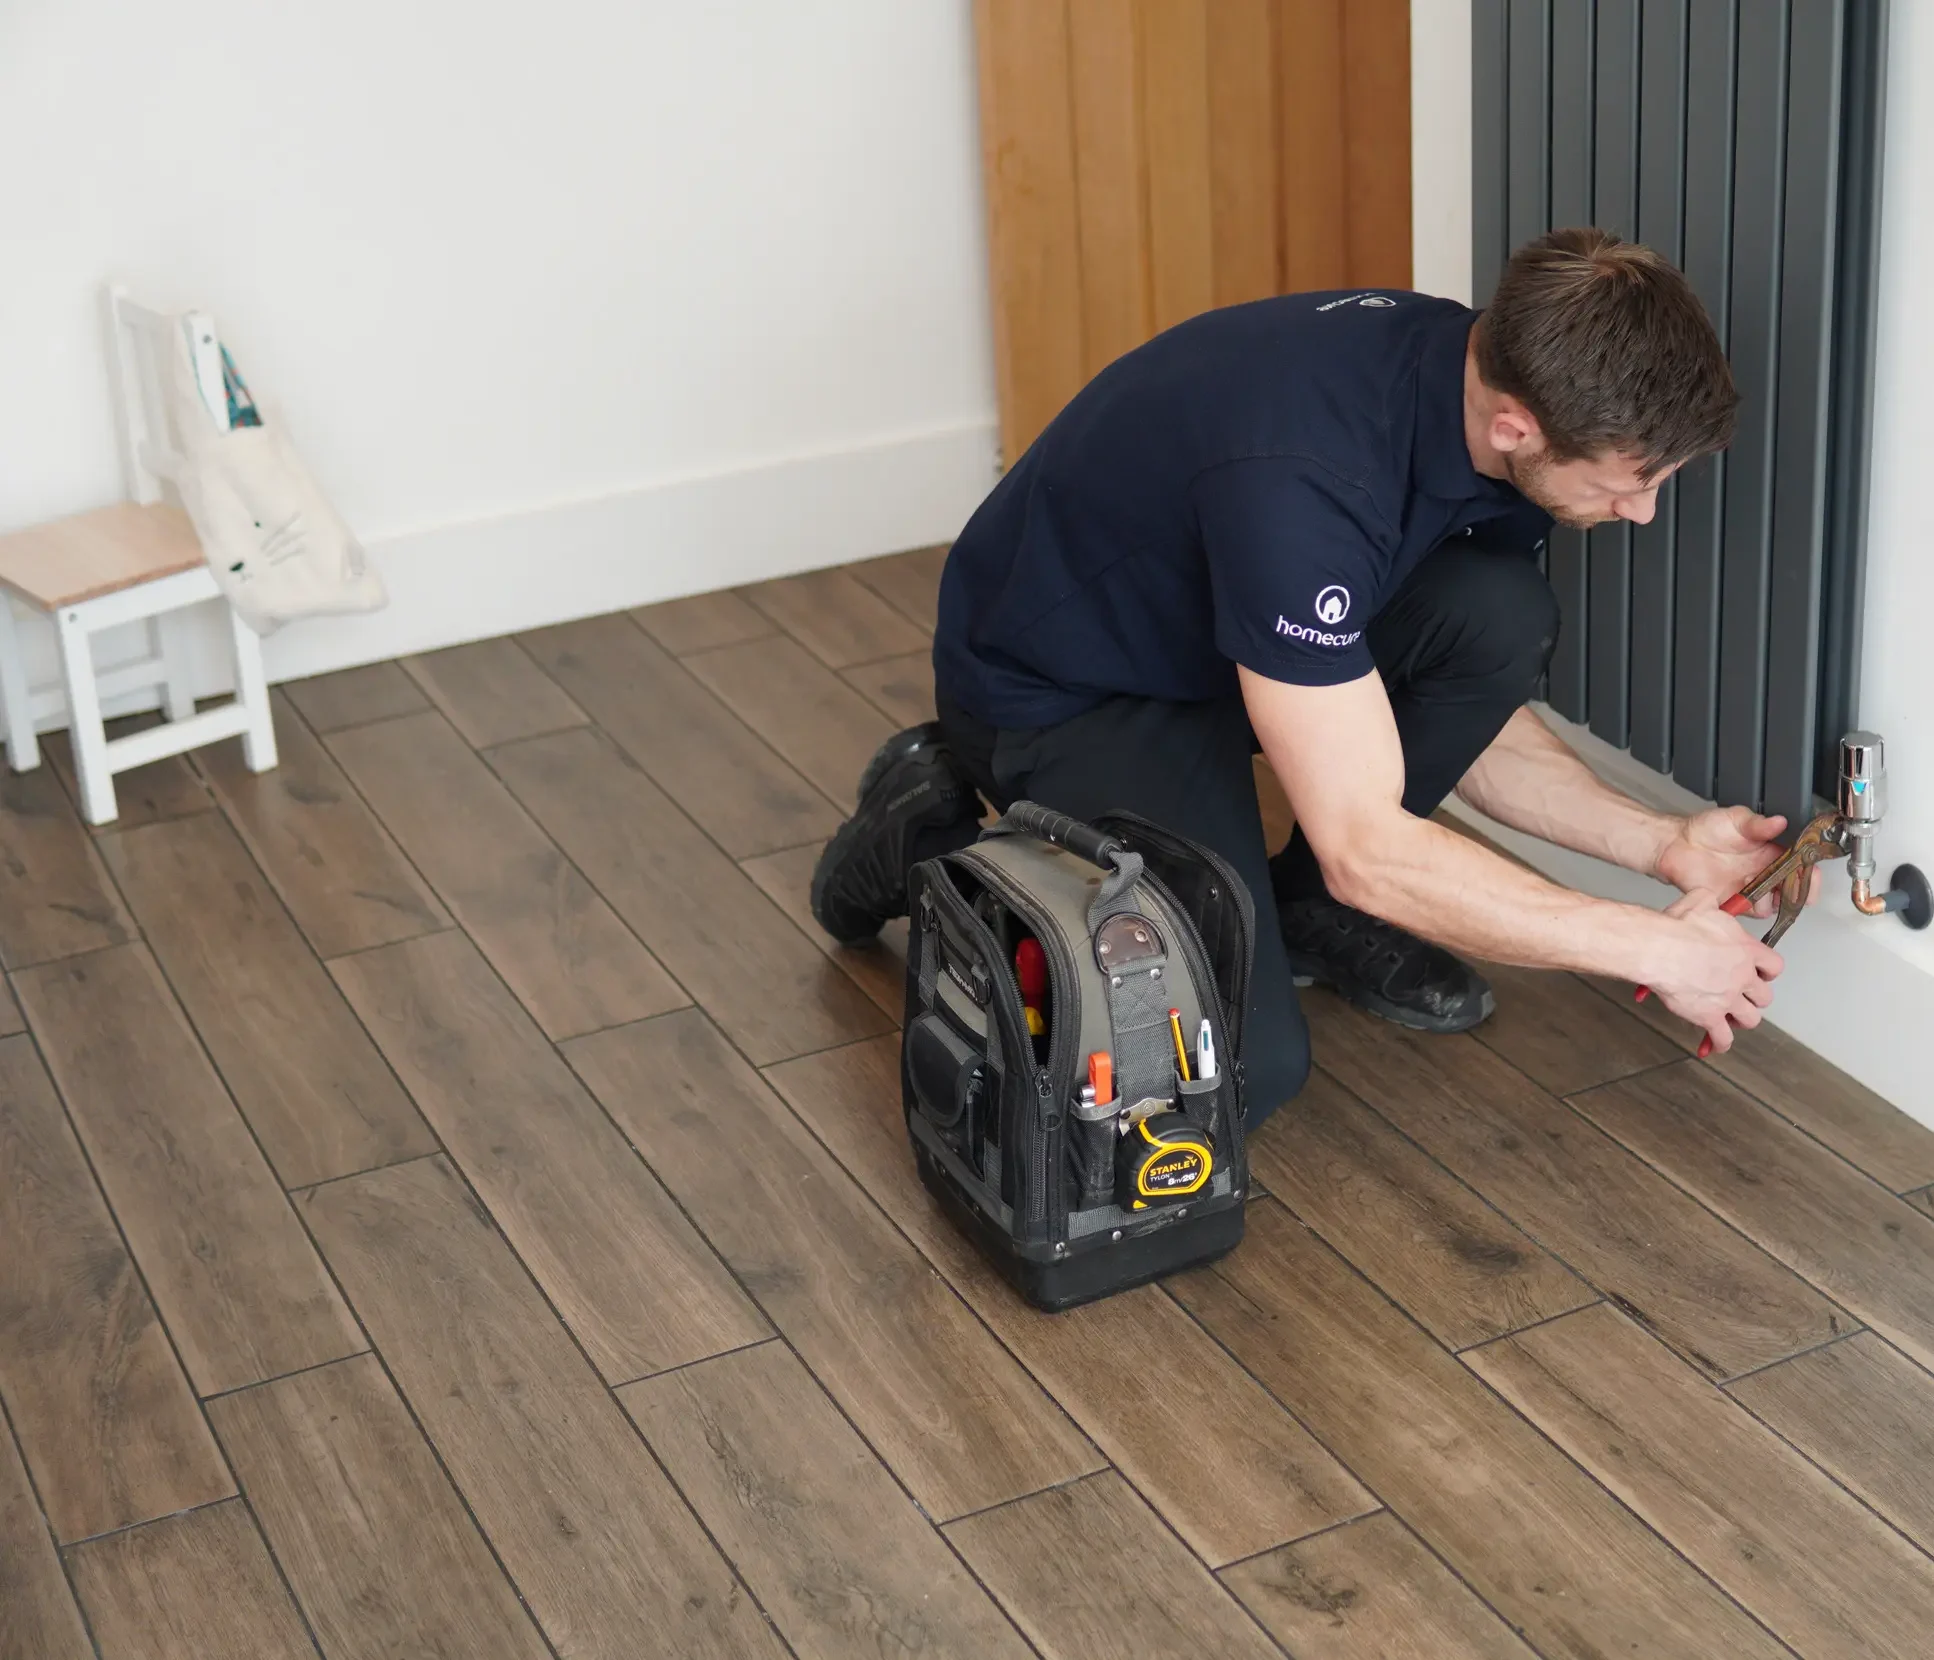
(119, 564)
(139, 560)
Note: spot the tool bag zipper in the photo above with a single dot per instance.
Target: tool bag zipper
(1003, 1005)
(1054, 1082)
(1150, 834)
(1136, 830)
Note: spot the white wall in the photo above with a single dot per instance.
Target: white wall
(570, 306)
(1859, 990)
(1897, 675)
(1440, 147)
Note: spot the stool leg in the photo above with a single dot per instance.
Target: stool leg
(16, 700)
(171, 646)
(85, 732)
(252, 692)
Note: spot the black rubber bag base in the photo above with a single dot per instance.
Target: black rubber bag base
(1099, 1269)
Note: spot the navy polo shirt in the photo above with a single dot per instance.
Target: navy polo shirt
(1248, 487)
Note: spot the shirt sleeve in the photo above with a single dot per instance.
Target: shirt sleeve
(1296, 558)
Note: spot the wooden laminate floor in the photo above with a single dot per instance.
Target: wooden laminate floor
(453, 1204)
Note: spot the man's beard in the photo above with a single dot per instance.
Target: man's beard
(1527, 477)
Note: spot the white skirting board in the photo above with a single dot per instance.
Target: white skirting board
(473, 581)
(1849, 992)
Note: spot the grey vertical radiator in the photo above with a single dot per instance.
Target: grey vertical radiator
(1741, 139)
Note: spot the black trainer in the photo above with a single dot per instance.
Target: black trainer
(1379, 967)
(860, 881)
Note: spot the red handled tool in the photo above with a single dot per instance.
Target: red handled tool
(1031, 972)
(1792, 874)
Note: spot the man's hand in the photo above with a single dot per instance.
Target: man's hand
(1714, 973)
(1721, 850)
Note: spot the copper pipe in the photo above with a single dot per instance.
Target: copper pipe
(1865, 900)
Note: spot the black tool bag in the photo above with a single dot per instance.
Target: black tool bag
(1144, 936)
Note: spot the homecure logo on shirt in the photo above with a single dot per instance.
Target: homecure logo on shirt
(1332, 606)
(1315, 636)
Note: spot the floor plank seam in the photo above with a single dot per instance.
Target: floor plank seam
(438, 1151)
(1383, 1504)
(1785, 1118)
(779, 1331)
(1767, 1106)
(1515, 1331)
(779, 1334)
(149, 1521)
(409, 1406)
(489, 760)
(704, 1527)
(1484, 1199)
(1539, 1432)
(568, 862)
(1812, 1349)
(115, 827)
(696, 1360)
(1337, 1526)
(359, 725)
(1724, 1221)
(517, 645)
(1602, 1083)
(452, 927)
(873, 702)
(888, 601)
(934, 1524)
(872, 662)
(914, 1245)
(1666, 1540)
(134, 1262)
(47, 1525)
(370, 1345)
(488, 750)
(483, 1210)
(1021, 1498)
(1924, 1551)
(731, 715)
(221, 1078)
(283, 1377)
(321, 740)
(1570, 1105)
(376, 818)
(135, 937)
(1194, 1556)
(281, 1573)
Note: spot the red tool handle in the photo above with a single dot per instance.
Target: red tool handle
(1738, 905)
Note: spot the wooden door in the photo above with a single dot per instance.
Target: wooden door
(1149, 159)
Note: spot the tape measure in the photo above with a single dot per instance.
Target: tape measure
(1164, 1158)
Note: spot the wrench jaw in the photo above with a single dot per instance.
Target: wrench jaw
(1792, 872)
(1792, 902)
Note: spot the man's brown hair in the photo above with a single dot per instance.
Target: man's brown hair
(1606, 344)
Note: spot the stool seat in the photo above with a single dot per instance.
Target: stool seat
(88, 555)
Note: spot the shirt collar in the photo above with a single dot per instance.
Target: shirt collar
(1441, 460)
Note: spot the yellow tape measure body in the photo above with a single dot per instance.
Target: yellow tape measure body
(1164, 1158)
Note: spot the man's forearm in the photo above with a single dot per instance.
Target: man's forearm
(1467, 899)
(1533, 781)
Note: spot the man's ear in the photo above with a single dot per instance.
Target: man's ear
(1513, 427)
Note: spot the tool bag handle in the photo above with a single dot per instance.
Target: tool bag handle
(1082, 840)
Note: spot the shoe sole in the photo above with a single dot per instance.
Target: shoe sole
(1373, 1003)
